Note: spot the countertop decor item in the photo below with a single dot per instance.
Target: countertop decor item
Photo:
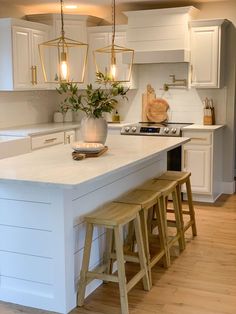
(87, 147)
(63, 50)
(209, 112)
(82, 155)
(94, 102)
(58, 117)
(111, 55)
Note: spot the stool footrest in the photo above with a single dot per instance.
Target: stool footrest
(135, 280)
(156, 258)
(101, 276)
(128, 258)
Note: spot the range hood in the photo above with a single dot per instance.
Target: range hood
(160, 35)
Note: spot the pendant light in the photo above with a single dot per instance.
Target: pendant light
(63, 59)
(114, 60)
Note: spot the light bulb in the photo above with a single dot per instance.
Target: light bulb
(63, 67)
(113, 71)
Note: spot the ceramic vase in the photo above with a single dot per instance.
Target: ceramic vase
(93, 130)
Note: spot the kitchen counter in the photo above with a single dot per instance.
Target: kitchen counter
(44, 196)
(202, 127)
(38, 129)
(42, 166)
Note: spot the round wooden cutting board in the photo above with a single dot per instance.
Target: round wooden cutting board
(156, 110)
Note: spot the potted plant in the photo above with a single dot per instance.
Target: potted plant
(93, 102)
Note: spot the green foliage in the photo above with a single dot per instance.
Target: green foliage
(93, 101)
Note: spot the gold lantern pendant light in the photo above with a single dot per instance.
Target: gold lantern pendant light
(63, 59)
(114, 61)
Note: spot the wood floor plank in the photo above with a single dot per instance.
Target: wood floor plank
(202, 280)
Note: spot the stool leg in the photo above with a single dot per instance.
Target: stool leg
(191, 208)
(109, 248)
(162, 205)
(85, 264)
(178, 187)
(121, 270)
(178, 220)
(144, 221)
(162, 234)
(141, 253)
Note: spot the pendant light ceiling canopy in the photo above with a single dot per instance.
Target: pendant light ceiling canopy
(63, 59)
(114, 60)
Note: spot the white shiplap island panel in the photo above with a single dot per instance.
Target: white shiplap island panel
(43, 198)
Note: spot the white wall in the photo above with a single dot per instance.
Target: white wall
(185, 104)
(20, 108)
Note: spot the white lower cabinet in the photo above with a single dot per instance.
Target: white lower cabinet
(202, 156)
(51, 139)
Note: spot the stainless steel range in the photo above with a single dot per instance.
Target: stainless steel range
(154, 129)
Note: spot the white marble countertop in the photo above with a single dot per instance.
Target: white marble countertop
(201, 127)
(38, 129)
(55, 165)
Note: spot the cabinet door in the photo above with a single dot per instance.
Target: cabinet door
(96, 41)
(205, 54)
(22, 57)
(37, 38)
(197, 160)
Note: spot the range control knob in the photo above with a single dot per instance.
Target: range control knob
(174, 130)
(166, 130)
(134, 129)
(127, 128)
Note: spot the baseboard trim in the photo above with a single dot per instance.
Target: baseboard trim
(228, 187)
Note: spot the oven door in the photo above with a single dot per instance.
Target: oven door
(174, 159)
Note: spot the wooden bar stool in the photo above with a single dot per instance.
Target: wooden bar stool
(114, 217)
(167, 188)
(149, 200)
(183, 178)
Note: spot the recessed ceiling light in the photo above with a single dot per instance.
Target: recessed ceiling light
(71, 6)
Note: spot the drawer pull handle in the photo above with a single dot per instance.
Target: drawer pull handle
(50, 140)
(199, 138)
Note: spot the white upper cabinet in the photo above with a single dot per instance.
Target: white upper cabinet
(19, 56)
(100, 37)
(207, 53)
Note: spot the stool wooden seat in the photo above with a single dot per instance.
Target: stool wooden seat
(148, 199)
(113, 217)
(167, 188)
(183, 178)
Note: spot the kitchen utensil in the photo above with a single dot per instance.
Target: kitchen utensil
(156, 110)
(146, 98)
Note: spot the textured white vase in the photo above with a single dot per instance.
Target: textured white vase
(68, 117)
(93, 130)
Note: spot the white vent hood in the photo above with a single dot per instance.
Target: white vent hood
(161, 35)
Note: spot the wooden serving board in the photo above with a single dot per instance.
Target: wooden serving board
(82, 155)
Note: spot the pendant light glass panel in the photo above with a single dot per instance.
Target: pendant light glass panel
(63, 59)
(114, 61)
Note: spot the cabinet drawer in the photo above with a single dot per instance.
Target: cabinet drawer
(47, 140)
(201, 138)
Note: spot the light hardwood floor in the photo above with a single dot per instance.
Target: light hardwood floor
(202, 280)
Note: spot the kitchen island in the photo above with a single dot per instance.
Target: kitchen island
(43, 198)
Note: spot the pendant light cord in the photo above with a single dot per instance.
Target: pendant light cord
(62, 20)
(113, 21)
